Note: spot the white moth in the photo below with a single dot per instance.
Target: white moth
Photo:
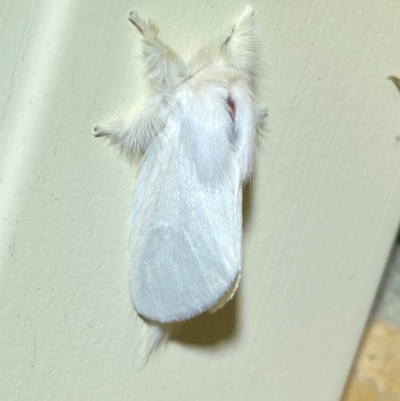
(196, 133)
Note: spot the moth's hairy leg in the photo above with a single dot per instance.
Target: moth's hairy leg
(135, 134)
(148, 30)
(242, 24)
(248, 13)
(240, 46)
(103, 130)
(249, 118)
(164, 68)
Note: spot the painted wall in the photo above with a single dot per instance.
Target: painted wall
(320, 214)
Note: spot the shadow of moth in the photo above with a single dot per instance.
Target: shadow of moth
(196, 134)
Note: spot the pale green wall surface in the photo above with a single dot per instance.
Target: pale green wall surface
(320, 215)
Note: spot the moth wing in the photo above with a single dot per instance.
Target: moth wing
(185, 237)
